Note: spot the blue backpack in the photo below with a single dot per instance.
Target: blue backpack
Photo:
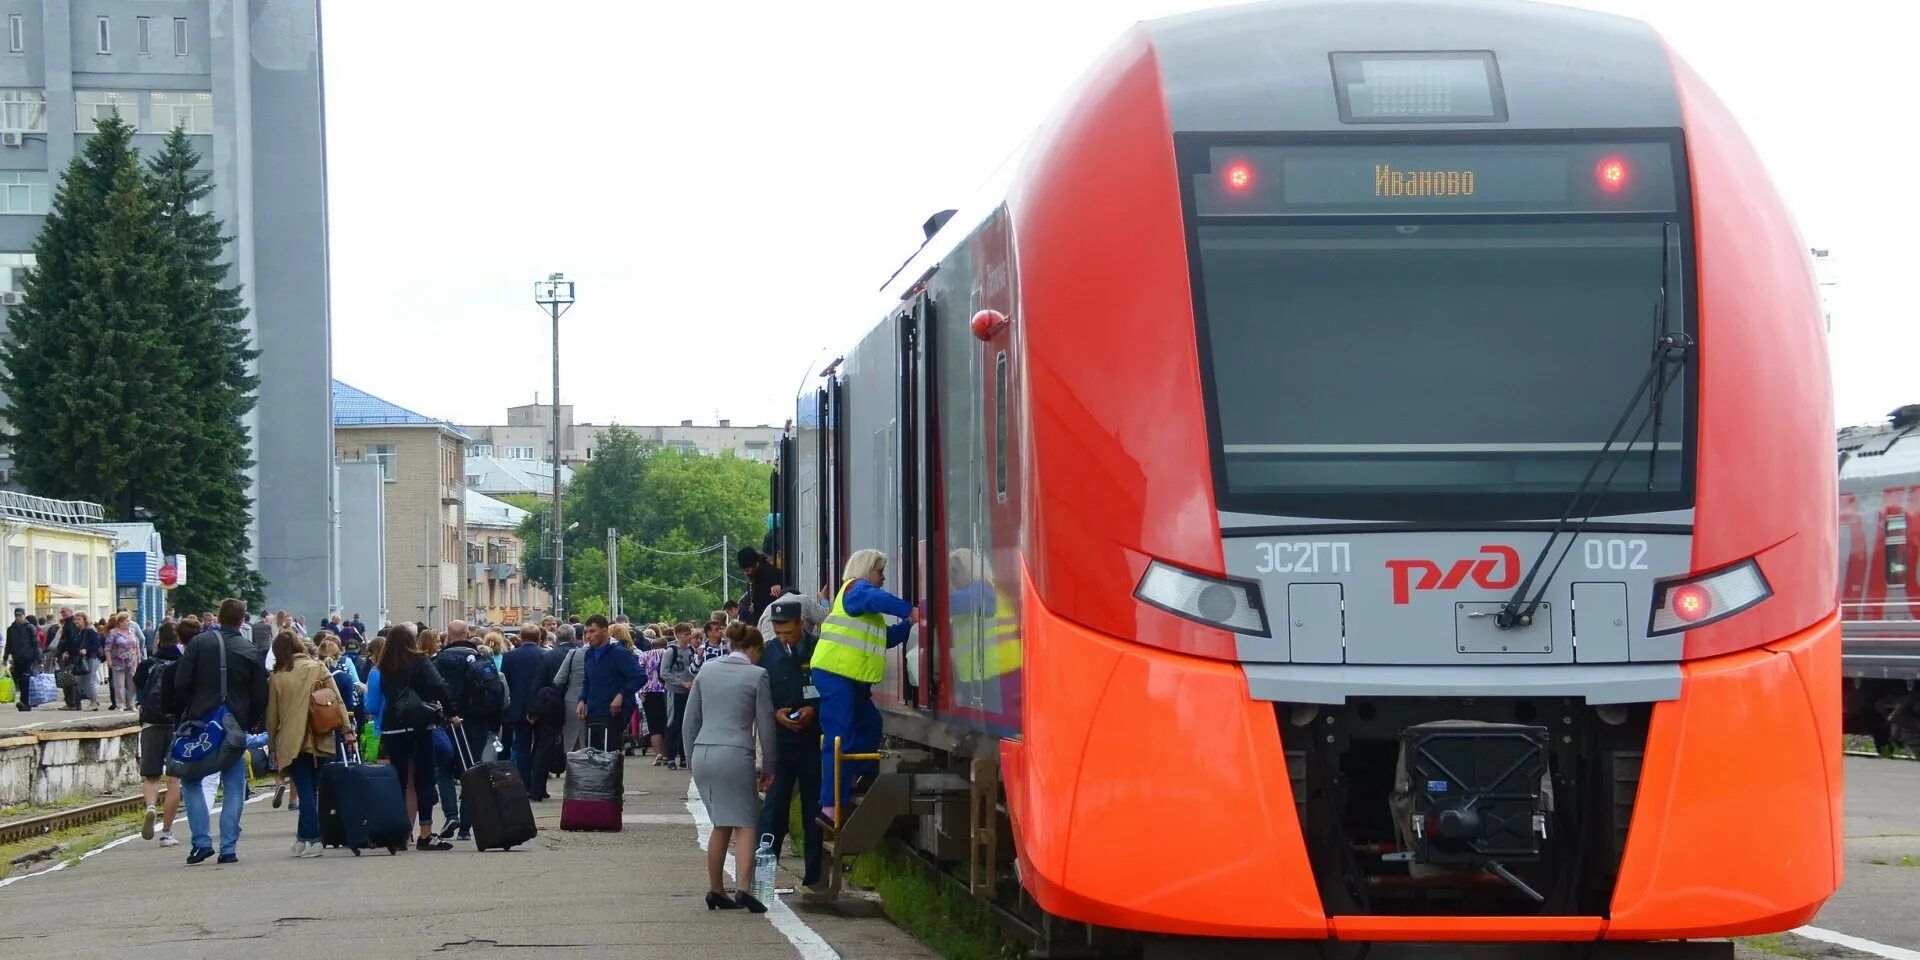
(349, 697)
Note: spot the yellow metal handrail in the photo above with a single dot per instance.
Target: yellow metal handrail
(840, 799)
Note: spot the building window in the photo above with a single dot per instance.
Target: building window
(13, 271)
(103, 35)
(382, 454)
(93, 106)
(16, 564)
(24, 191)
(23, 110)
(42, 567)
(143, 35)
(480, 450)
(61, 574)
(106, 573)
(80, 571)
(16, 33)
(192, 112)
(519, 453)
(179, 36)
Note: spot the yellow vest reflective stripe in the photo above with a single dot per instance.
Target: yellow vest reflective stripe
(853, 647)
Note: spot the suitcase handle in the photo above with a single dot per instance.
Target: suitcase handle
(460, 748)
(349, 750)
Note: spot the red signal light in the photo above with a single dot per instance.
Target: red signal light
(1612, 174)
(1239, 177)
(1691, 603)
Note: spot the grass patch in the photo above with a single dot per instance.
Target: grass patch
(72, 842)
(1906, 860)
(955, 925)
(1773, 943)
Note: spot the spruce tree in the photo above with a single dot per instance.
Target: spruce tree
(88, 370)
(206, 513)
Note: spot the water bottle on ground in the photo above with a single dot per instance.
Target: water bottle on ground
(763, 863)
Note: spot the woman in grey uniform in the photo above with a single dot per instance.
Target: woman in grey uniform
(731, 701)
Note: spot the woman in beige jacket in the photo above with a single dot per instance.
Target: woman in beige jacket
(296, 750)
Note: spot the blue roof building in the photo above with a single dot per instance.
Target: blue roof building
(420, 497)
(354, 407)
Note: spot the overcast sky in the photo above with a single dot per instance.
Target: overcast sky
(729, 183)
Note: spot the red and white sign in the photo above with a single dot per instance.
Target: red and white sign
(169, 575)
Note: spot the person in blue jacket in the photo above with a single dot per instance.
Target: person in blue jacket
(848, 659)
(613, 681)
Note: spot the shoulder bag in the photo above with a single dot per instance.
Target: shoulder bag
(212, 743)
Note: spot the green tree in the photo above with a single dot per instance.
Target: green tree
(671, 510)
(207, 507)
(92, 376)
(126, 371)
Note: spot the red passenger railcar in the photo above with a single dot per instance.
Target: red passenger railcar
(1367, 476)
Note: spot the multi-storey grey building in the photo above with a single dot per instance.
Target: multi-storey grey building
(243, 77)
(528, 435)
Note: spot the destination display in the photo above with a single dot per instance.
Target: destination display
(1627, 177)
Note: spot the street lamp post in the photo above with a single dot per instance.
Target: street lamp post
(555, 293)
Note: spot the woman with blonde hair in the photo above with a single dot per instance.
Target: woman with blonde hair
(848, 659)
(298, 749)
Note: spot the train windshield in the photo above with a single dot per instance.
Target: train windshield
(1429, 368)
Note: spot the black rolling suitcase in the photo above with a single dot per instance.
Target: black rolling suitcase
(496, 799)
(362, 806)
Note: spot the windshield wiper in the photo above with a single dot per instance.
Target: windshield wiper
(1660, 332)
(1669, 355)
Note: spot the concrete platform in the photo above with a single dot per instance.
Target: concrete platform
(567, 895)
(49, 716)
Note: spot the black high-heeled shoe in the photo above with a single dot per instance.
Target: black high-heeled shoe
(719, 901)
(744, 899)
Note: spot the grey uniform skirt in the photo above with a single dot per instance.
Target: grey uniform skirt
(727, 783)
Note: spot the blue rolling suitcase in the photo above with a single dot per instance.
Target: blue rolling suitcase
(362, 806)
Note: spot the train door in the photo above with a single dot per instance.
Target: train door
(920, 513)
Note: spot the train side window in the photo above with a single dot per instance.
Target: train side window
(1896, 559)
(1000, 426)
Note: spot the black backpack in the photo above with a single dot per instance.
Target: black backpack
(153, 693)
(486, 694)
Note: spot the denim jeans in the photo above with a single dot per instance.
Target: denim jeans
(234, 781)
(304, 773)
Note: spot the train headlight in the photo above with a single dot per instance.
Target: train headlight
(1683, 604)
(1231, 604)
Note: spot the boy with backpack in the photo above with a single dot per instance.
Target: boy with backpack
(151, 678)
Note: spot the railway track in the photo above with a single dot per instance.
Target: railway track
(26, 829)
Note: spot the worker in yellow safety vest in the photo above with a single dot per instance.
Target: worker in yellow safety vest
(848, 659)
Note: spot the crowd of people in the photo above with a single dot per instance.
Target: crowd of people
(751, 700)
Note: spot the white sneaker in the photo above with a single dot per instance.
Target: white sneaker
(312, 850)
(167, 840)
(299, 848)
(146, 822)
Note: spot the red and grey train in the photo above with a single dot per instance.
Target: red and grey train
(1879, 592)
(1360, 477)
